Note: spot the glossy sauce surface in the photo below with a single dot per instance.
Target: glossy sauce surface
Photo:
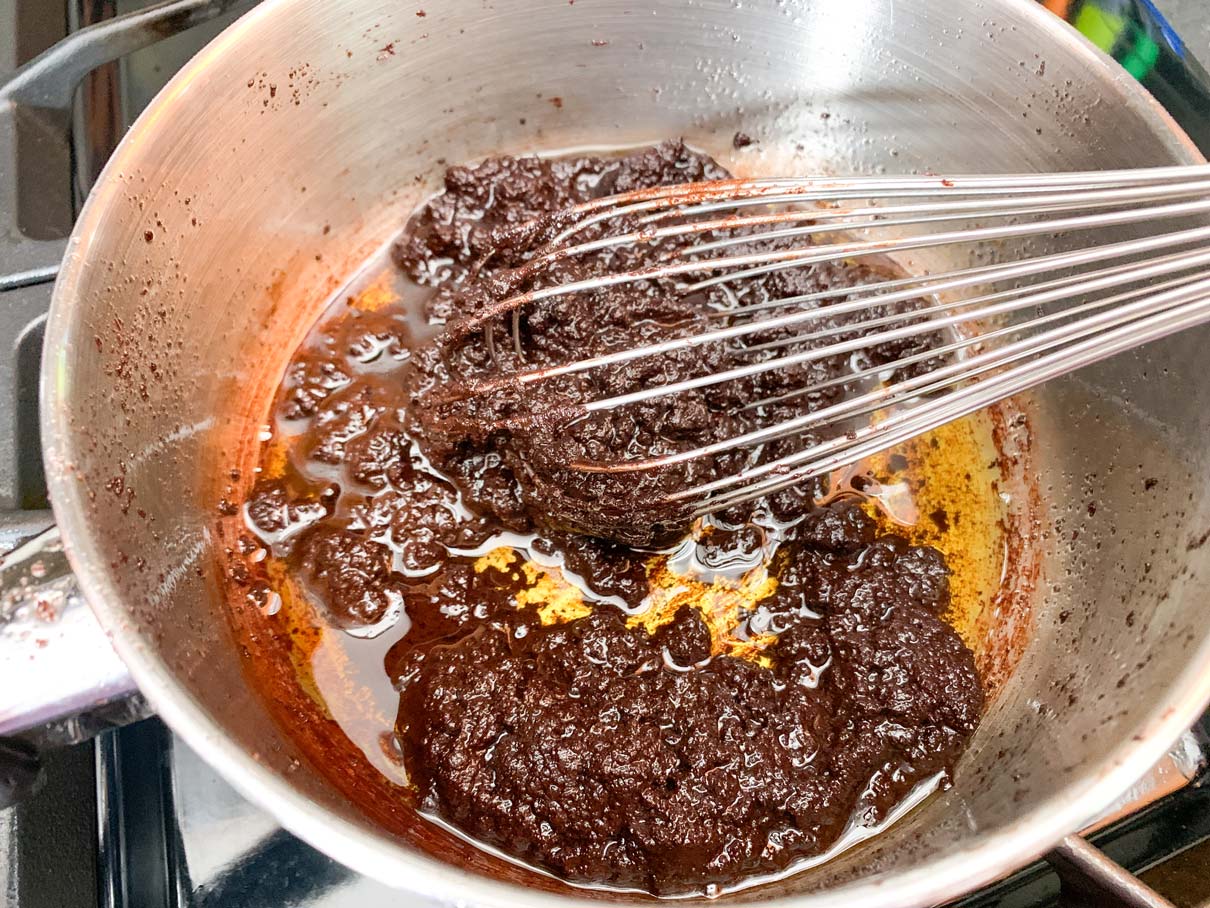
(692, 718)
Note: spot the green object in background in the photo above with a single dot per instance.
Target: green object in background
(1135, 34)
(1141, 58)
(1099, 26)
(1119, 36)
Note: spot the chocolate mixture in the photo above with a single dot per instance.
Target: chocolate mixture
(510, 451)
(545, 708)
(614, 756)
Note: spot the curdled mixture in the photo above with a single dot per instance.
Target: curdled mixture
(589, 680)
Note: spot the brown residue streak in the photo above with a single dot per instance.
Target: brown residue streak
(1197, 542)
(1005, 629)
(277, 287)
(387, 50)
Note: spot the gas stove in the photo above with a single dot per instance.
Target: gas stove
(133, 817)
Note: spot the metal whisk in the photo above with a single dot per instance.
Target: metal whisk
(1074, 307)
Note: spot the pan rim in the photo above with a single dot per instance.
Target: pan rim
(371, 851)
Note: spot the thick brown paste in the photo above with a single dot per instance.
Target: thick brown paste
(510, 450)
(673, 722)
(610, 755)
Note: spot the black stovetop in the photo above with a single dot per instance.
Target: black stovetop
(135, 818)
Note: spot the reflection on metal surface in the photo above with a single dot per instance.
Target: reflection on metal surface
(170, 825)
(36, 125)
(49, 80)
(1184, 763)
(262, 866)
(1035, 723)
(19, 279)
(1168, 817)
(223, 851)
(72, 682)
(97, 122)
(231, 848)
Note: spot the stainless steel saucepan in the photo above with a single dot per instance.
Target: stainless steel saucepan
(299, 140)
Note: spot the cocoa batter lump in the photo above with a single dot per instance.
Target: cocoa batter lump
(605, 754)
(592, 748)
(511, 449)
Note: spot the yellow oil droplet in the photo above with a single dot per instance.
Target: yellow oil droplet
(723, 603)
(303, 631)
(546, 589)
(275, 454)
(498, 559)
(954, 485)
(555, 598)
(377, 294)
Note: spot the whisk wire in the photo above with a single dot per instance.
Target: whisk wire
(924, 324)
(942, 283)
(965, 370)
(821, 459)
(941, 378)
(1097, 298)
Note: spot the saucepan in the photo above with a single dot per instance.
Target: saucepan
(300, 139)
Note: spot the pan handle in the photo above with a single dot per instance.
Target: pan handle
(60, 680)
(49, 80)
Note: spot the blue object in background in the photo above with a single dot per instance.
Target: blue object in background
(1136, 34)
